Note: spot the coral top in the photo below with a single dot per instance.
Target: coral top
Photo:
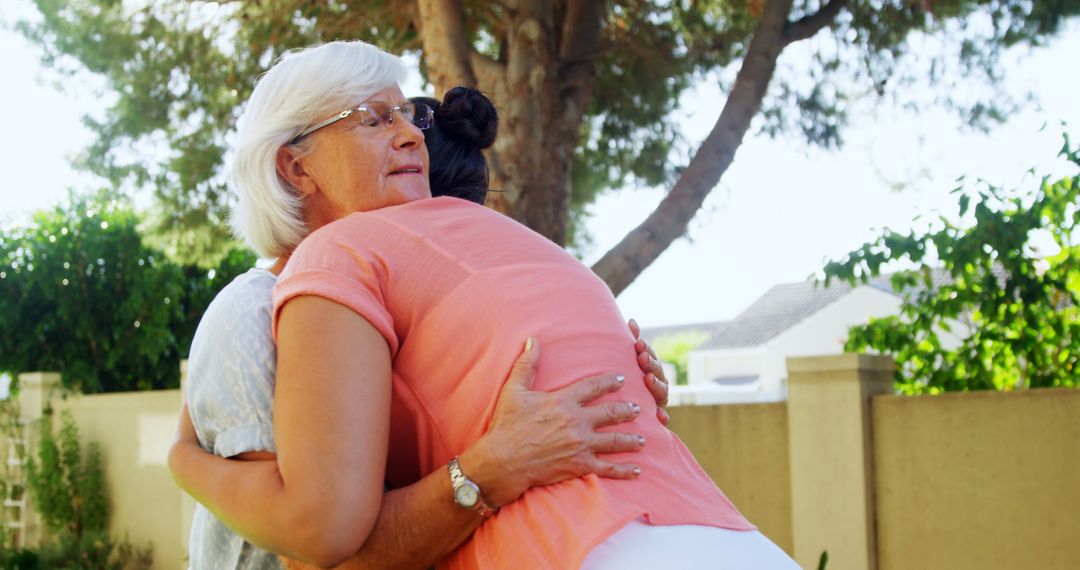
(455, 288)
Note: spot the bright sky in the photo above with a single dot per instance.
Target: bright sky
(779, 212)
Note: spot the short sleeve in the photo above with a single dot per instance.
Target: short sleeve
(231, 369)
(341, 262)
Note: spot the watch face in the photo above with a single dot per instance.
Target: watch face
(466, 495)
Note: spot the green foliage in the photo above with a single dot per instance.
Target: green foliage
(180, 70)
(21, 559)
(996, 316)
(675, 348)
(12, 477)
(68, 491)
(82, 294)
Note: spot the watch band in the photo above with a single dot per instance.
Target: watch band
(466, 492)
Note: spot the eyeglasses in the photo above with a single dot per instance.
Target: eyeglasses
(378, 114)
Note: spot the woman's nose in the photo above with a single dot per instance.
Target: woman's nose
(406, 134)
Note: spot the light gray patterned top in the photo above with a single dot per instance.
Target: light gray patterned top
(230, 393)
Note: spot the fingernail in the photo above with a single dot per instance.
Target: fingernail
(636, 408)
(618, 378)
(528, 344)
(641, 440)
(656, 381)
(637, 471)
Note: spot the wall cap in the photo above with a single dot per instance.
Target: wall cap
(834, 362)
(42, 378)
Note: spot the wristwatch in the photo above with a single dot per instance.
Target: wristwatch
(466, 493)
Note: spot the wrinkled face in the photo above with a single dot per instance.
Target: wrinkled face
(355, 168)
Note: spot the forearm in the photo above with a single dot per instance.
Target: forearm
(421, 524)
(418, 526)
(251, 497)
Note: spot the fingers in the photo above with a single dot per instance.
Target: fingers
(649, 363)
(658, 388)
(589, 389)
(523, 372)
(647, 359)
(635, 329)
(662, 415)
(611, 413)
(640, 344)
(616, 442)
(611, 470)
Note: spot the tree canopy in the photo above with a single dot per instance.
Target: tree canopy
(82, 294)
(587, 90)
(1012, 311)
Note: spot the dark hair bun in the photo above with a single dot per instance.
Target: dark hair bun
(469, 117)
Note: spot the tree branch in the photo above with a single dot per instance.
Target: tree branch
(446, 48)
(622, 264)
(489, 73)
(808, 25)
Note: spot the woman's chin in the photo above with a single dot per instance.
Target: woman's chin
(409, 188)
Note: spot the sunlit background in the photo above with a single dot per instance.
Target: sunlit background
(780, 210)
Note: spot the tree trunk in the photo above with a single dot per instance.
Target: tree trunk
(446, 48)
(542, 83)
(532, 148)
(541, 86)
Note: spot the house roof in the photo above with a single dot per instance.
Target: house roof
(785, 305)
(651, 334)
(780, 308)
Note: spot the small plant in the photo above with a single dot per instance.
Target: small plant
(12, 485)
(68, 490)
(675, 348)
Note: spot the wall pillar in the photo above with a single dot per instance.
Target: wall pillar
(35, 393)
(831, 450)
(36, 390)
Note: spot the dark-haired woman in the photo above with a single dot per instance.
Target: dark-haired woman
(230, 392)
(458, 169)
(425, 296)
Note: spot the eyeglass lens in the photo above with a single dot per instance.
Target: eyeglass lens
(377, 113)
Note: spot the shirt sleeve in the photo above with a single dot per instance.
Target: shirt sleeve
(231, 370)
(341, 262)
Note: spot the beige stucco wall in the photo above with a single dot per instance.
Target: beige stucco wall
(978, 480)
(971, 480)
(744, 448)
(135, 430)
(831, 457)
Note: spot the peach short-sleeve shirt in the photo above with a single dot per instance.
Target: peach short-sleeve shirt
(454, 288)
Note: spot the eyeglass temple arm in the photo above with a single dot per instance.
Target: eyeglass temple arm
(322, 124)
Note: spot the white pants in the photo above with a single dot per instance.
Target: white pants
(686, 547)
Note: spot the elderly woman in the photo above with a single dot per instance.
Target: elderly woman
(367, 313)
(231, 380)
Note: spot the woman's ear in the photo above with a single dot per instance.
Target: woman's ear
(291, 169)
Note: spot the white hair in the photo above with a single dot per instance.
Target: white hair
(303, 87)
